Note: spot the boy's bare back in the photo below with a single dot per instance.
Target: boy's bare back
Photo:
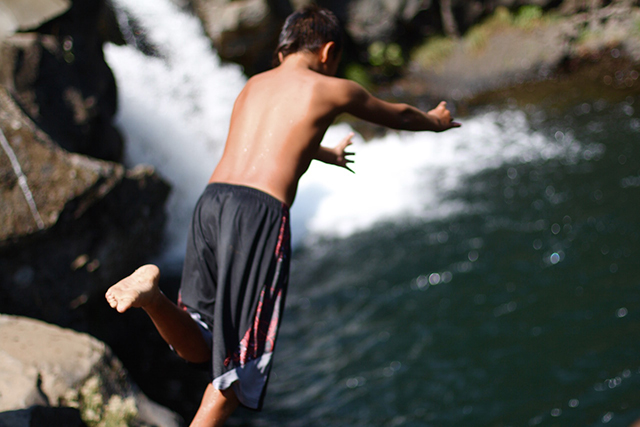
(281, 115)
(276, 126)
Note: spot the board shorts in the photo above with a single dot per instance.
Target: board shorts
(234, 283)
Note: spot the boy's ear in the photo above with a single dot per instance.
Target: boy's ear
(327, 51)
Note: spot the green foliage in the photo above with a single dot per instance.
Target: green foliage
(381, 54)
(477, 37)
(528, 16)
(89, 400)
(119, 412)
(358, 74)
(433, 51)
(386, 57)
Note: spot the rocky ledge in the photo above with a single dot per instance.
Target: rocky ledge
(54, 376)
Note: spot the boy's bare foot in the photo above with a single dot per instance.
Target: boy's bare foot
(137, 290)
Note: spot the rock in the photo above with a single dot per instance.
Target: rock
(379, 20)
(245, 31)
(60, 79)
(27, 14)
(511, 54)
(42, 416)
(45, 365)
(70, 225)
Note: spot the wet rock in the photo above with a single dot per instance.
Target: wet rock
(70, 225)
(59, 77)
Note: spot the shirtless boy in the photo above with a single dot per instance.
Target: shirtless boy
(237, 262)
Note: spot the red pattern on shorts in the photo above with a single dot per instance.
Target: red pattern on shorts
(261, 336)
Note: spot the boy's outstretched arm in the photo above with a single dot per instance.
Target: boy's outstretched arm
(357, 101)
(338, 154)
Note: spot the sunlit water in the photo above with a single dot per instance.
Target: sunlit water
(486, 276)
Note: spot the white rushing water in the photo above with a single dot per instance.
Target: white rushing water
(174, 113)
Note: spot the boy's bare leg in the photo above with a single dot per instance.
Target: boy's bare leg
(175, 325)
(215, 408)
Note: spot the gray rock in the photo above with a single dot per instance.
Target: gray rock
(43, 365)
(244, 31)
(27, 14)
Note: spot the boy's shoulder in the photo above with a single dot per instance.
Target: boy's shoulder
(305, 80)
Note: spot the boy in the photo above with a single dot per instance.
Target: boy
(237, 262)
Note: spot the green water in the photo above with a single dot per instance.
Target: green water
(522, 310)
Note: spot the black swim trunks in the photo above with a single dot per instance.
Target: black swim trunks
(235, 278)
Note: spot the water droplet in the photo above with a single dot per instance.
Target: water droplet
(622, 312)
(479, 299)
(355, 382)
(554, 258)
(509, 192)
(607, 417)
(573, 403)
(556, 412)
(555, 228)
(537, 244)
(422, 282)
(473, 256)
(447, 277)
(585, 108)
(434, 279)
(550, 191)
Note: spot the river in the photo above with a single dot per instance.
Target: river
(485, 276)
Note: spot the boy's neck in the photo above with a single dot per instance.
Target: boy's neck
(302, 60)
(307, 60)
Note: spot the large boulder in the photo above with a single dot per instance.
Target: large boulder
(58, 76)
(73, 220)
(45, 366)
(70, 225)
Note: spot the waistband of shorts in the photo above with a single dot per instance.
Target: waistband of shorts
(268, 199)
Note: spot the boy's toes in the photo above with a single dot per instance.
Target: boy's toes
(111, 300)
(118, 299)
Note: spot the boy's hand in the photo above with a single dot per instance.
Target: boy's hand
(442, 117)
(341, 154)
(337, 155)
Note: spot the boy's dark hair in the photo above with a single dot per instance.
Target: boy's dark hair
(307, 30)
